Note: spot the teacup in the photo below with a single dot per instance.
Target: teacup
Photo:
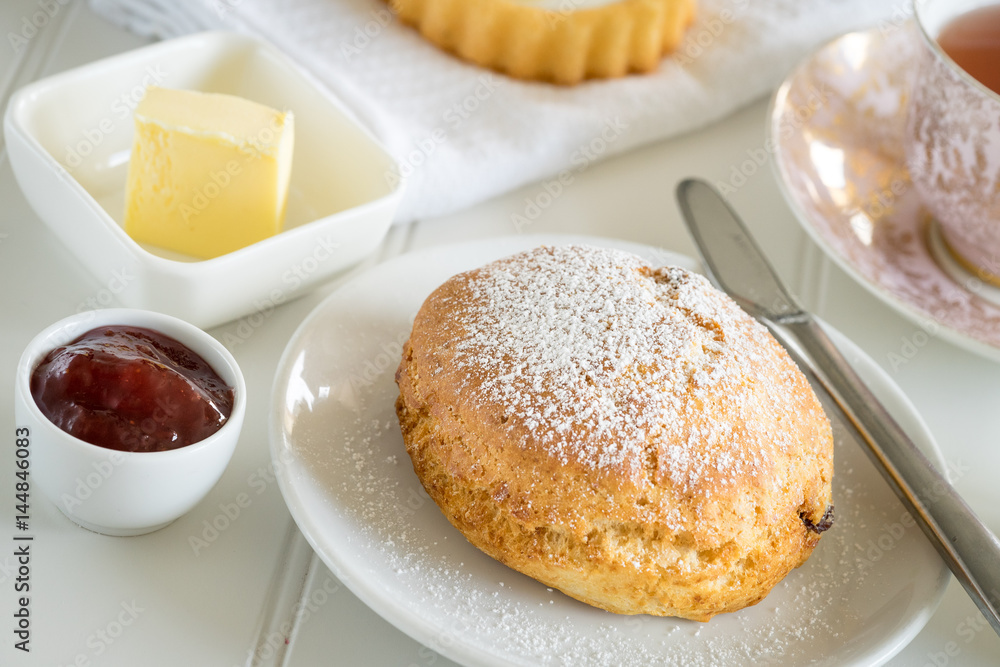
(953, 144)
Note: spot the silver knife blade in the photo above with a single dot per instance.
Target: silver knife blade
(738, 267)
(733, 260)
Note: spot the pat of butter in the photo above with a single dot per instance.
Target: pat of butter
(208, 172)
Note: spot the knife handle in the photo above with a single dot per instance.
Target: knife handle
(969, 548)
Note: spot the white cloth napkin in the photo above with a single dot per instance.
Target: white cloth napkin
(464, 134)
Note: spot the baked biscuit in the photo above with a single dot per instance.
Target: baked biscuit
(625, 434)
(562, 41)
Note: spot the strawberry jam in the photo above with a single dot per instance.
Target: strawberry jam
(131, 389)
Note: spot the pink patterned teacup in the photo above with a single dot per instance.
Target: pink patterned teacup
(953, 144)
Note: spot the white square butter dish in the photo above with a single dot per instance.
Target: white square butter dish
(69, 137)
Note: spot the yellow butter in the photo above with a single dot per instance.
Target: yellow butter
(208, 172)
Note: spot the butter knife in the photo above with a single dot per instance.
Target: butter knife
(736, 265)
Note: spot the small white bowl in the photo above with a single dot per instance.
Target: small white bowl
(69, 137)
(114, 492)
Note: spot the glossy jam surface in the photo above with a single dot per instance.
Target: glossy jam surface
(131, 389)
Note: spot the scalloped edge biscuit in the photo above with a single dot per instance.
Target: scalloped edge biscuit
(558, 46)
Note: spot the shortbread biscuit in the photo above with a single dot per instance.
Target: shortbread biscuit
(562, 41)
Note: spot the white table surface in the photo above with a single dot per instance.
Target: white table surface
(153, 601)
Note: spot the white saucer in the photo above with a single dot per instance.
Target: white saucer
(343, 470)
(837, 127)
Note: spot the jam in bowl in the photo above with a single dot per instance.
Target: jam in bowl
(132, 389)
(131, 417)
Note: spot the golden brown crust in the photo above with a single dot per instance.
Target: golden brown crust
(685, 500)
(563, 46)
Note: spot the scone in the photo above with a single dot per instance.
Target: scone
(623, 433)
(562, 41)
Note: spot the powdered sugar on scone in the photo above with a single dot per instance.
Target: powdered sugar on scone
(582, 340)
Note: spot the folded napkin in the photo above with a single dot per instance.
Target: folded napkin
(464, 134)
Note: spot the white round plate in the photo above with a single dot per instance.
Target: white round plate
(867, 590)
